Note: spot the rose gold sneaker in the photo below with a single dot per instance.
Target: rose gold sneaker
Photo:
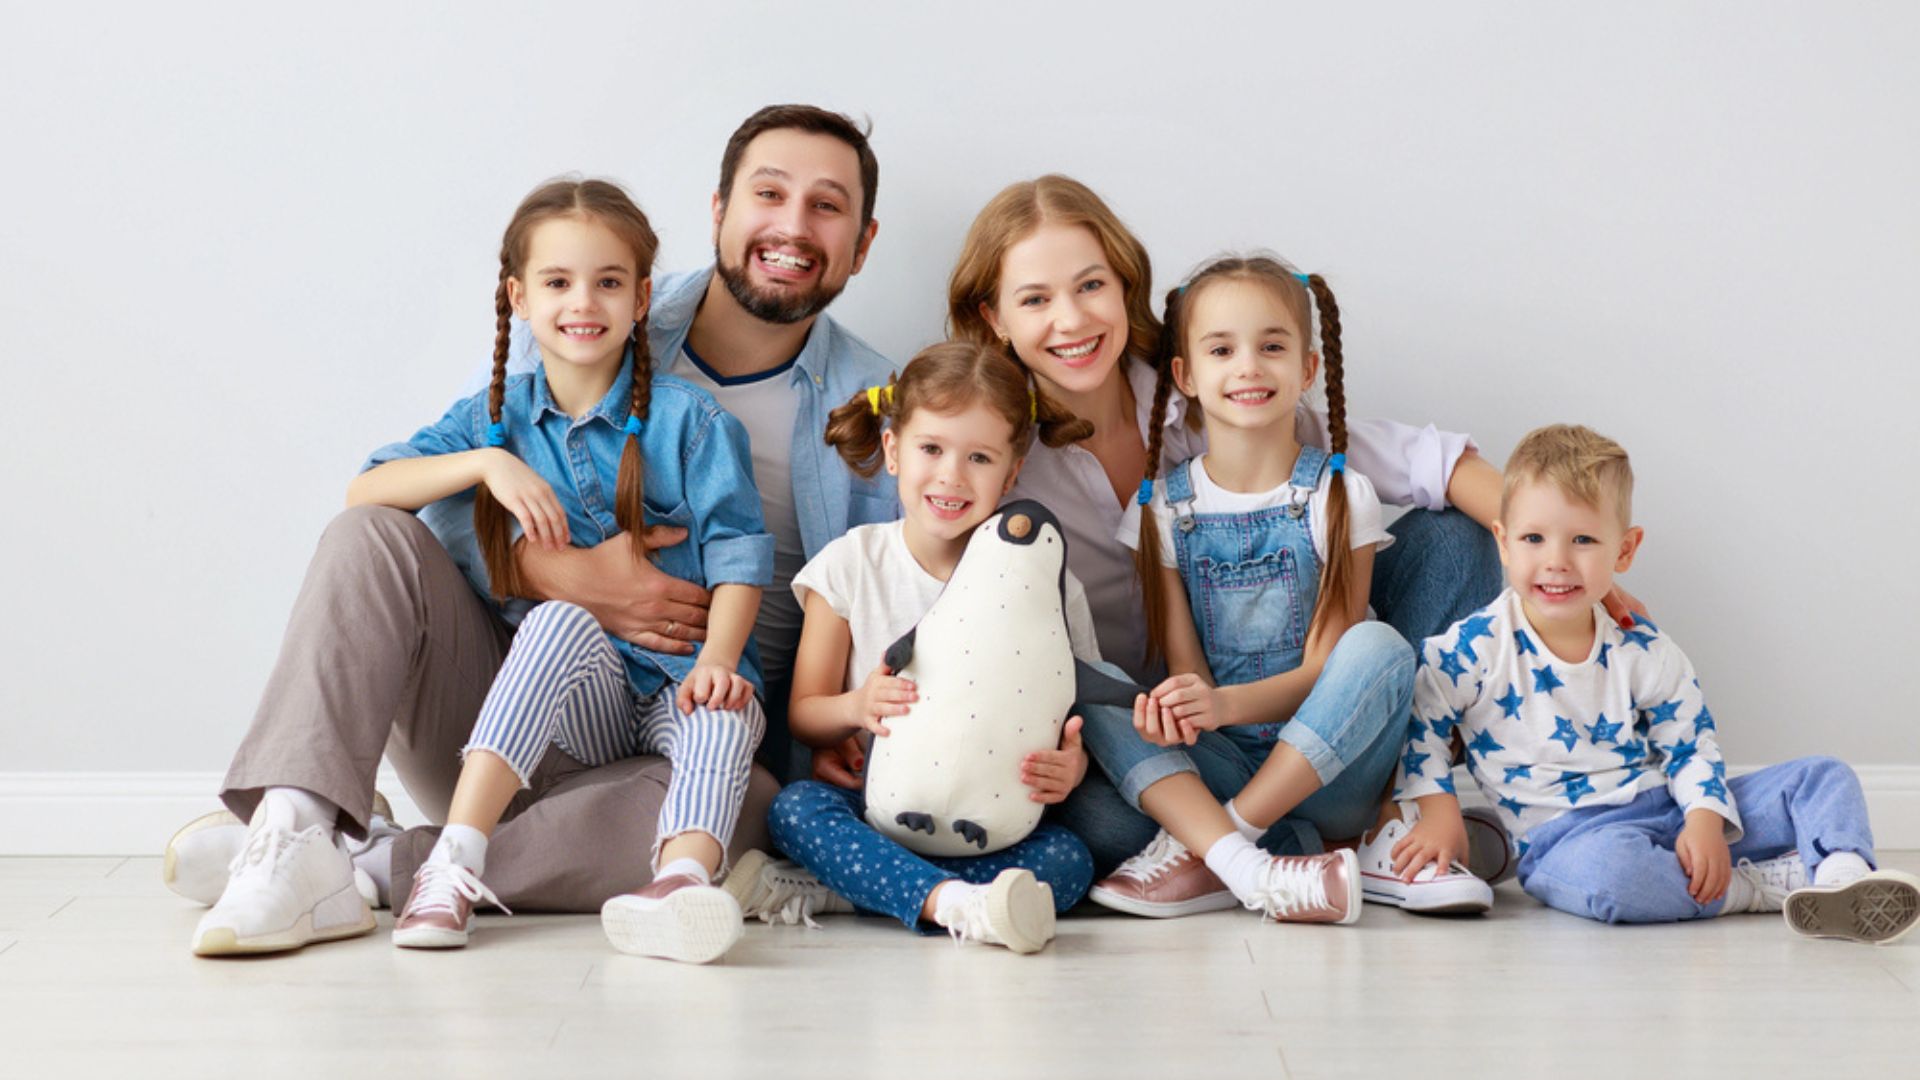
(1162, 882)
(439, 910)
(675, 918)
(1310, 888)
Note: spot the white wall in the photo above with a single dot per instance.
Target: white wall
(242, 247)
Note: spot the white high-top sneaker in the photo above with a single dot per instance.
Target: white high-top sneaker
(1452, 890)
(775, 890)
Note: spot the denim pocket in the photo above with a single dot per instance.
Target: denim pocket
(1251, 609)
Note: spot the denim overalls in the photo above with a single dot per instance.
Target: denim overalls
(1251, 581)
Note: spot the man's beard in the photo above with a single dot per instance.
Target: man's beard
(783, 308)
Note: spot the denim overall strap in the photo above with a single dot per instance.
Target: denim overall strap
(1306, 473)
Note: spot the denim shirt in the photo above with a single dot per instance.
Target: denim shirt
(699, 476)
(833, 365)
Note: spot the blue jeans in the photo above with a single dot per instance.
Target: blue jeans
(823, 827)
(1351, 729)
(1616, 863)
(1441, 568)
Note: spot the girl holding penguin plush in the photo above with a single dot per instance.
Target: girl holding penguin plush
(954, 429)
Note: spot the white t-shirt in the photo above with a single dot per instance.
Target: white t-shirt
(872, 580)
(764, 404)
(1363, 510)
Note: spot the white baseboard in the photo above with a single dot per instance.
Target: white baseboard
(133, 813)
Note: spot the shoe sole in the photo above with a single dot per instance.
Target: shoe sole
(202, 885)
(429, 937)
(692, 926)
(1489, 847)
(224, 941)
(1428, 898)
(1020, 910)
(1147, 909)
(1877, 909)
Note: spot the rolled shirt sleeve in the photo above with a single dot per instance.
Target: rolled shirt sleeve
(1409, 466)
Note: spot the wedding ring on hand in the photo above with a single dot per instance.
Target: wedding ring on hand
(672, 625)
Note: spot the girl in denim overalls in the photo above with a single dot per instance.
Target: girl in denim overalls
(1255, 559)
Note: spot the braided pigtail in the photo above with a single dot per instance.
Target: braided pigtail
(489, 517)
(629, 500)
(1057, 424)
(854, 428)
(1336, 583)
(1147, 552)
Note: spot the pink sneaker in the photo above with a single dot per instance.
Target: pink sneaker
(439, 910)
(1310, 888)
(675, 918)
(1162, 882)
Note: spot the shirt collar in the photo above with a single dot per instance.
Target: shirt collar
(677, 303)
(613, 407)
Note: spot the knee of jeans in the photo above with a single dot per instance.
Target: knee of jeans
(1373, 652)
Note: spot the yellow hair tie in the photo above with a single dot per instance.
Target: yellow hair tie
(873, 398)
(1033, 405)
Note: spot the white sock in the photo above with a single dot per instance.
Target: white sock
(1840, 868)
(693, 868)
(377, 861)
(1240, 824)
(297, 808)
(947, 902)
(461, 844)
(1740, 896)
(1238, 864)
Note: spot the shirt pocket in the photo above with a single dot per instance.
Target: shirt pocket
(682, 560)
(1251, 608)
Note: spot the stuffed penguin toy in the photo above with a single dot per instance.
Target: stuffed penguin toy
(996, 676)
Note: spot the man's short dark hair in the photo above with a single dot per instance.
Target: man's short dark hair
(814, 120)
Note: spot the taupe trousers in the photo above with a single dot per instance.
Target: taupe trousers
(389, 650)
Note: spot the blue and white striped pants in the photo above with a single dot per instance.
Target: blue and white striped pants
(563, 684)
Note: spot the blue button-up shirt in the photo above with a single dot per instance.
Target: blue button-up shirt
(832, 367)
(698, 476)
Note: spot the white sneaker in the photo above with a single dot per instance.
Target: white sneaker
(1433, 891)
(199, 854)
(775, 890)
(1877, 908)
(284, 890)
(1770, 880)
(1015, 911)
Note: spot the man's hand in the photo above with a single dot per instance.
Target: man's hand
(632, 599)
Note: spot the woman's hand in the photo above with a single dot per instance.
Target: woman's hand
(1053, 774)
(884, 694)
(526, 496)
(840, 765)
(1622, 606)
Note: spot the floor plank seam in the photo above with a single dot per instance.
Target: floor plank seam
(63, 907)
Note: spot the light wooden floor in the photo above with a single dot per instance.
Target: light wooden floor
(96, 980)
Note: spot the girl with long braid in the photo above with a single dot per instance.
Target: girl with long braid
(1255, 559)
(589, 444)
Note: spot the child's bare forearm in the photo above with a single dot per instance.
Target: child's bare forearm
(411, 483)
(730, 624)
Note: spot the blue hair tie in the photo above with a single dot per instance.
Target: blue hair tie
(1304, 279)
(1146, 492)
(1337, 463)
(496, 434)
(635, 425)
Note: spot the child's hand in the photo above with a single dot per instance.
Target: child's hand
(1053, 774)
(1439, 837)
(1157, 725)
(1186, 704)
(1702, 849)
(884, 694)
(715, 687)
(527, 497)
(840, 765)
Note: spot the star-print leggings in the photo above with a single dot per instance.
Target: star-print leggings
(1616, 863)
(823, 827)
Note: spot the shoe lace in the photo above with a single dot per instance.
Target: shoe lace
(1158, 858)
(1291, 886)
(265, 850)
(793, 895)
(1771, 882)
(970, 923)
(440, 882)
